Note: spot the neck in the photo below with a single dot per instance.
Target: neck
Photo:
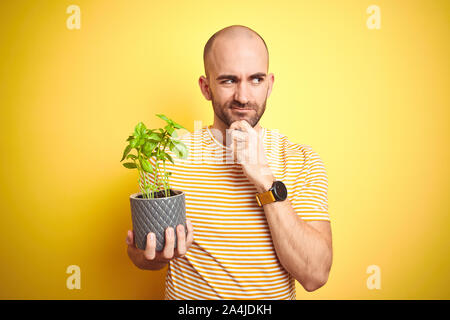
(220, 131)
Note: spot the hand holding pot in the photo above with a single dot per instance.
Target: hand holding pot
(150, 259)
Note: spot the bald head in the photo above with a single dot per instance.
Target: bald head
(229, 38)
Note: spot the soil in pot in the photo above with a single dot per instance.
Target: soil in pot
(161, 194)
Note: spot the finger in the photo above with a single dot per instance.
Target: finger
(181, 241)
(238, 133)
(238, 125)
(242, 126)
(240, 136)
(170, 241)
(150, 253)
(130, 238)
(246, 125)
(237, 143)
(190, 234)
(131, 249)
(239, 146)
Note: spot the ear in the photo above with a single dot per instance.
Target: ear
(271, 79)
(204, 87)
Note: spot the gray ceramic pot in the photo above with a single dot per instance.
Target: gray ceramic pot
(155, 215)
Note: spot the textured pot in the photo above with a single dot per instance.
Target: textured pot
(155, 215)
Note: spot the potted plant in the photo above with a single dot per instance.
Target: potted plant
(158, 206)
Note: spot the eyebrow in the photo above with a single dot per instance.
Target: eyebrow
(233, 77)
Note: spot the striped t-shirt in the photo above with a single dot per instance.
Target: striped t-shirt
(232, 256)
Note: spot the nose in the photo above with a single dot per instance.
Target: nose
(241, 93)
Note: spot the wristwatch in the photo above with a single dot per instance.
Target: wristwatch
(277, 192)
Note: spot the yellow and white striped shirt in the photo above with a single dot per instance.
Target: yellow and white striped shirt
(232, 256)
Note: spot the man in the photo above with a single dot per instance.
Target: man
(250, 242)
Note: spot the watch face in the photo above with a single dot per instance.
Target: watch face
(279, 190)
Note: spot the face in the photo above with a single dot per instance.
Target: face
(238, 85)
(231, 109)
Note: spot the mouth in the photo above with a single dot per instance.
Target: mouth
(241, 109)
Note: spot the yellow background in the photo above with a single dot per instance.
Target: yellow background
(373, 103)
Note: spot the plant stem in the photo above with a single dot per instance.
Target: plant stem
(144, 194)
(166, 180)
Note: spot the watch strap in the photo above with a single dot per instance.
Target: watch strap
(265, 197)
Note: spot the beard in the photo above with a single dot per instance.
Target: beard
(228, 116)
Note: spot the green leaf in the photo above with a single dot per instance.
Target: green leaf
(130, 138)
(155, 136)
(129, 165)
(168, 156)
(126, 151)
(134, 142)
(146, 165)
(178, 126)
(149, 146)
(169, 128)
(179, 149)
(139, 130)
(143, 130)
(132, 156)
(163, 117)
(161, 155)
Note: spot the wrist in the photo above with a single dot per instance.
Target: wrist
(265, 184)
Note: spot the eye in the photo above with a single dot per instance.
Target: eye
(260, 80)
(226, 81)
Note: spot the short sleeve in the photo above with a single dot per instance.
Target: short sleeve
(310, 201)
